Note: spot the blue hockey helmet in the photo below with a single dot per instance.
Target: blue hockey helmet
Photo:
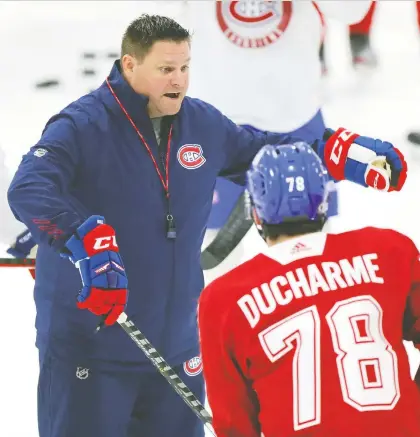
(288, 183)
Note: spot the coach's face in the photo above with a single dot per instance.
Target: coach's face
(162, 75)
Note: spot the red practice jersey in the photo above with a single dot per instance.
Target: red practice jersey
(307, 339)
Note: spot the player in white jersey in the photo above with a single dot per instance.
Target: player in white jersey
(267, 73)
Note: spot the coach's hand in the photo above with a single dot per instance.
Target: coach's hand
(94, 251)
(363, 160)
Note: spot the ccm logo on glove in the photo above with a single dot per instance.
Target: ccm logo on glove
(341, 141)
(105, 243)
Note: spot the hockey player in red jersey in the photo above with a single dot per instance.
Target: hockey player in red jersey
(306, 339)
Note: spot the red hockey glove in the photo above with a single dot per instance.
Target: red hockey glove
(363, 160)
(94, 251)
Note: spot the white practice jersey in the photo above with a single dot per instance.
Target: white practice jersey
(257, 61)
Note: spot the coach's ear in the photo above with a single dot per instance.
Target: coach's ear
(257, 220)
(258, 224)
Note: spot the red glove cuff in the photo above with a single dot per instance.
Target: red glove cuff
(105, 301)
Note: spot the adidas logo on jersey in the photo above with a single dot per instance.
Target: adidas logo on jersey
(299, 247)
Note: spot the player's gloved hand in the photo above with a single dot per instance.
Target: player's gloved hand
(22, 246)
(363, 160)
(94, 251)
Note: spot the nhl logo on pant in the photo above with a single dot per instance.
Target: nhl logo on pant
(82, 373)
(193, 367)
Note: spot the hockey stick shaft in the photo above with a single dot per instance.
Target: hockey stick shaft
(166, 371)
(231, 234)
(17, 262)
(151, 353)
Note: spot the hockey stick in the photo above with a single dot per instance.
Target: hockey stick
(229, 236)
(151, 353)
(216, 252)
(17, 262)
(166, 371)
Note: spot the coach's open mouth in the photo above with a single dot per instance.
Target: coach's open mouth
(172, 95)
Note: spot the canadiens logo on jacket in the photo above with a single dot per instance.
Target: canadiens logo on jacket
(190, 156)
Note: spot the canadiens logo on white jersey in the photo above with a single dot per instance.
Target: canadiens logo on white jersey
(193, 367)
(253, 24)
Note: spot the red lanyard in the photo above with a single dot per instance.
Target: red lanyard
(165, 182)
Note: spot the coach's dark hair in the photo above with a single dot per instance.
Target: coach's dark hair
(292, 228)
(143, 32)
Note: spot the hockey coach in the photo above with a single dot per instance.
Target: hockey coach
(117, 193)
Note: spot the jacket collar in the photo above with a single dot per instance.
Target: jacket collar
(134, 103)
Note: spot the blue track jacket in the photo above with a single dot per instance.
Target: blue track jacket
(90, 160)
